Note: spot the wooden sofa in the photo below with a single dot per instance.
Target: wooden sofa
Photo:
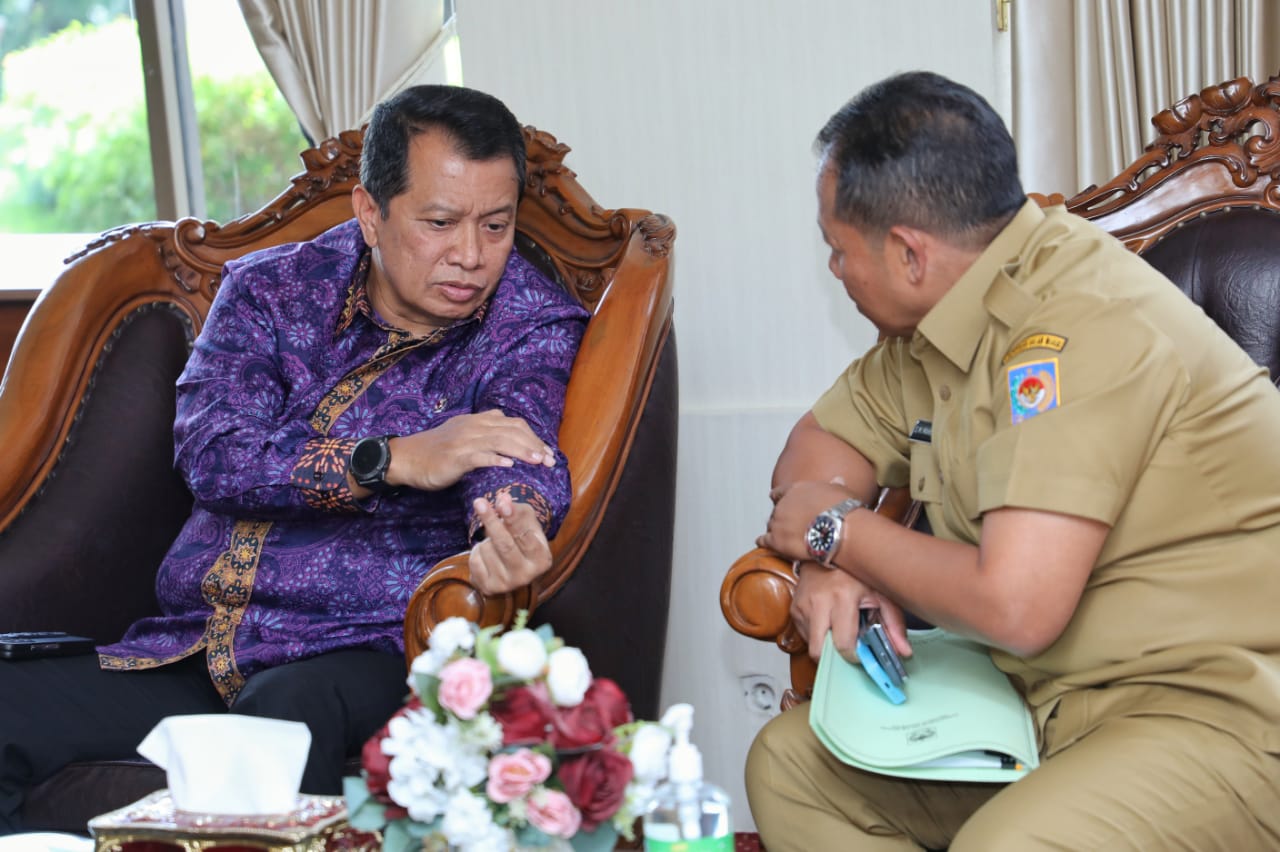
(89, 500)
(1202, 204)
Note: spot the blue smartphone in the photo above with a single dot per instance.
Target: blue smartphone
(878, 675)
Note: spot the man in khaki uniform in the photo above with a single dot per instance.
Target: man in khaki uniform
(1099, 463)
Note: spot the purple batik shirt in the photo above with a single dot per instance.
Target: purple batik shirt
(279, 561)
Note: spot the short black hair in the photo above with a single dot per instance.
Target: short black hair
(480, 125)
(921, 150)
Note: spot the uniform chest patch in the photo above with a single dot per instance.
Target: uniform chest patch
(1033, 389)
(1035, 341)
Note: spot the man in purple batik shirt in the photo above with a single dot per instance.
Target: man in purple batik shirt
(357, 408)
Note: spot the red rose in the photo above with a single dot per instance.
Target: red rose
(377, 765)
(603, 708)
(525, 713)
(596, 782)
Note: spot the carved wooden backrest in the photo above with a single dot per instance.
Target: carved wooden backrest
(1216, 150)
(1215, 159)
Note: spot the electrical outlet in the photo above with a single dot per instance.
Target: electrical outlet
(760, 691)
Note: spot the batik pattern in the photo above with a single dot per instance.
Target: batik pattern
(292, 367)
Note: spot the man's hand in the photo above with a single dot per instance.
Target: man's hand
(514, 551)
(439, 457)
(829, 599)
(794, 509)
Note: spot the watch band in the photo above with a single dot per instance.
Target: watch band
(823, 537)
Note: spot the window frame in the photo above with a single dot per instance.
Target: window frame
(171, 117)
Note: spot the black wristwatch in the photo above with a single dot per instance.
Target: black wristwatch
(370, 458)
(823, 537)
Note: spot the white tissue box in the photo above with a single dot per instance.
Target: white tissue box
(153, 824)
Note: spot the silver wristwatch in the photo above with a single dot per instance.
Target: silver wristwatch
(823, 537)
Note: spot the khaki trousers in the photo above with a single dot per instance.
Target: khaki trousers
(1133, 783)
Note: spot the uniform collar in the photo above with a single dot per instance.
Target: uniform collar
(955, 325)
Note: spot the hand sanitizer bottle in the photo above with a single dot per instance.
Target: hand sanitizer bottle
(686, 813)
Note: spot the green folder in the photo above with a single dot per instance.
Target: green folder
(962, 720)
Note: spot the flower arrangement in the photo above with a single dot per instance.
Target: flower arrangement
(507, 742)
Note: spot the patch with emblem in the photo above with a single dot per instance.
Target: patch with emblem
(1033, 389)
(1034, 341)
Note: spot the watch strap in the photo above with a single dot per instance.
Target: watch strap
(824, 535)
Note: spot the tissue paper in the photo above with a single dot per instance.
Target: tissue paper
(230, 764)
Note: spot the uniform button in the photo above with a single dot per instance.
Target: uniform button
(945, 393)
(920, 484)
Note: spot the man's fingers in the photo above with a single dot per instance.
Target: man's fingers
(515, 549)
(896, 626)
(844, 635)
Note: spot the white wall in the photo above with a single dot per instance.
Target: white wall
(706, 110)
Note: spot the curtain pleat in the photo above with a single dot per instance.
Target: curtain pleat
(334, 60)
(1126, 60)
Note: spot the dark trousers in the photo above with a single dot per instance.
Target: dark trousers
(60, 710)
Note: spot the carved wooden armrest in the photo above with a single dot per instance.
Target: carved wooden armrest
(755, 598)
(447, 591)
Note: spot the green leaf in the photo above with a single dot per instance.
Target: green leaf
(532, 837)
(423, 829)
(355, 791)
(398, 837)
(428, 688)
(600, 840)
(371, 815)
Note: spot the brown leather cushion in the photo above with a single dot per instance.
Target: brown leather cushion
(105, 518)
(1228, 262)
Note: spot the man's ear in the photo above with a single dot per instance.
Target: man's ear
(367, 213)
(909, 252)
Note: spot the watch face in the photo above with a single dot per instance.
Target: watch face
(369, 460)
(821, 537)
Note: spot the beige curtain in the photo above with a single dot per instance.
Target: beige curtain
(1090, 74)
(334, 59)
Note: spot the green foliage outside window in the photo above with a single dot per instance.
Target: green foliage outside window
(68, 167)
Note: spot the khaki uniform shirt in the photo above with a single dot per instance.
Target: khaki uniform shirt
(1063, 373)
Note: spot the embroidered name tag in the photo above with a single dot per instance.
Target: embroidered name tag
(1033, 389)
(1034, 341)
(922, 432)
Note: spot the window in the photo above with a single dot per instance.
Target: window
(78, 130)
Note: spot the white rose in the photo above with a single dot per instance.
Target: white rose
(522, 654)
(568, 676)
(451, 634)
(648, 753)
(426, 663)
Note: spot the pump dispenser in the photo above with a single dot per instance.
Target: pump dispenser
(687, 813)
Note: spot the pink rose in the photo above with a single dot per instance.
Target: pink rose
(512, 776)
(552, 813)
(465, 685)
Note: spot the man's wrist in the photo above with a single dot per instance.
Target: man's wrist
(369, 462)
(826, 533)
